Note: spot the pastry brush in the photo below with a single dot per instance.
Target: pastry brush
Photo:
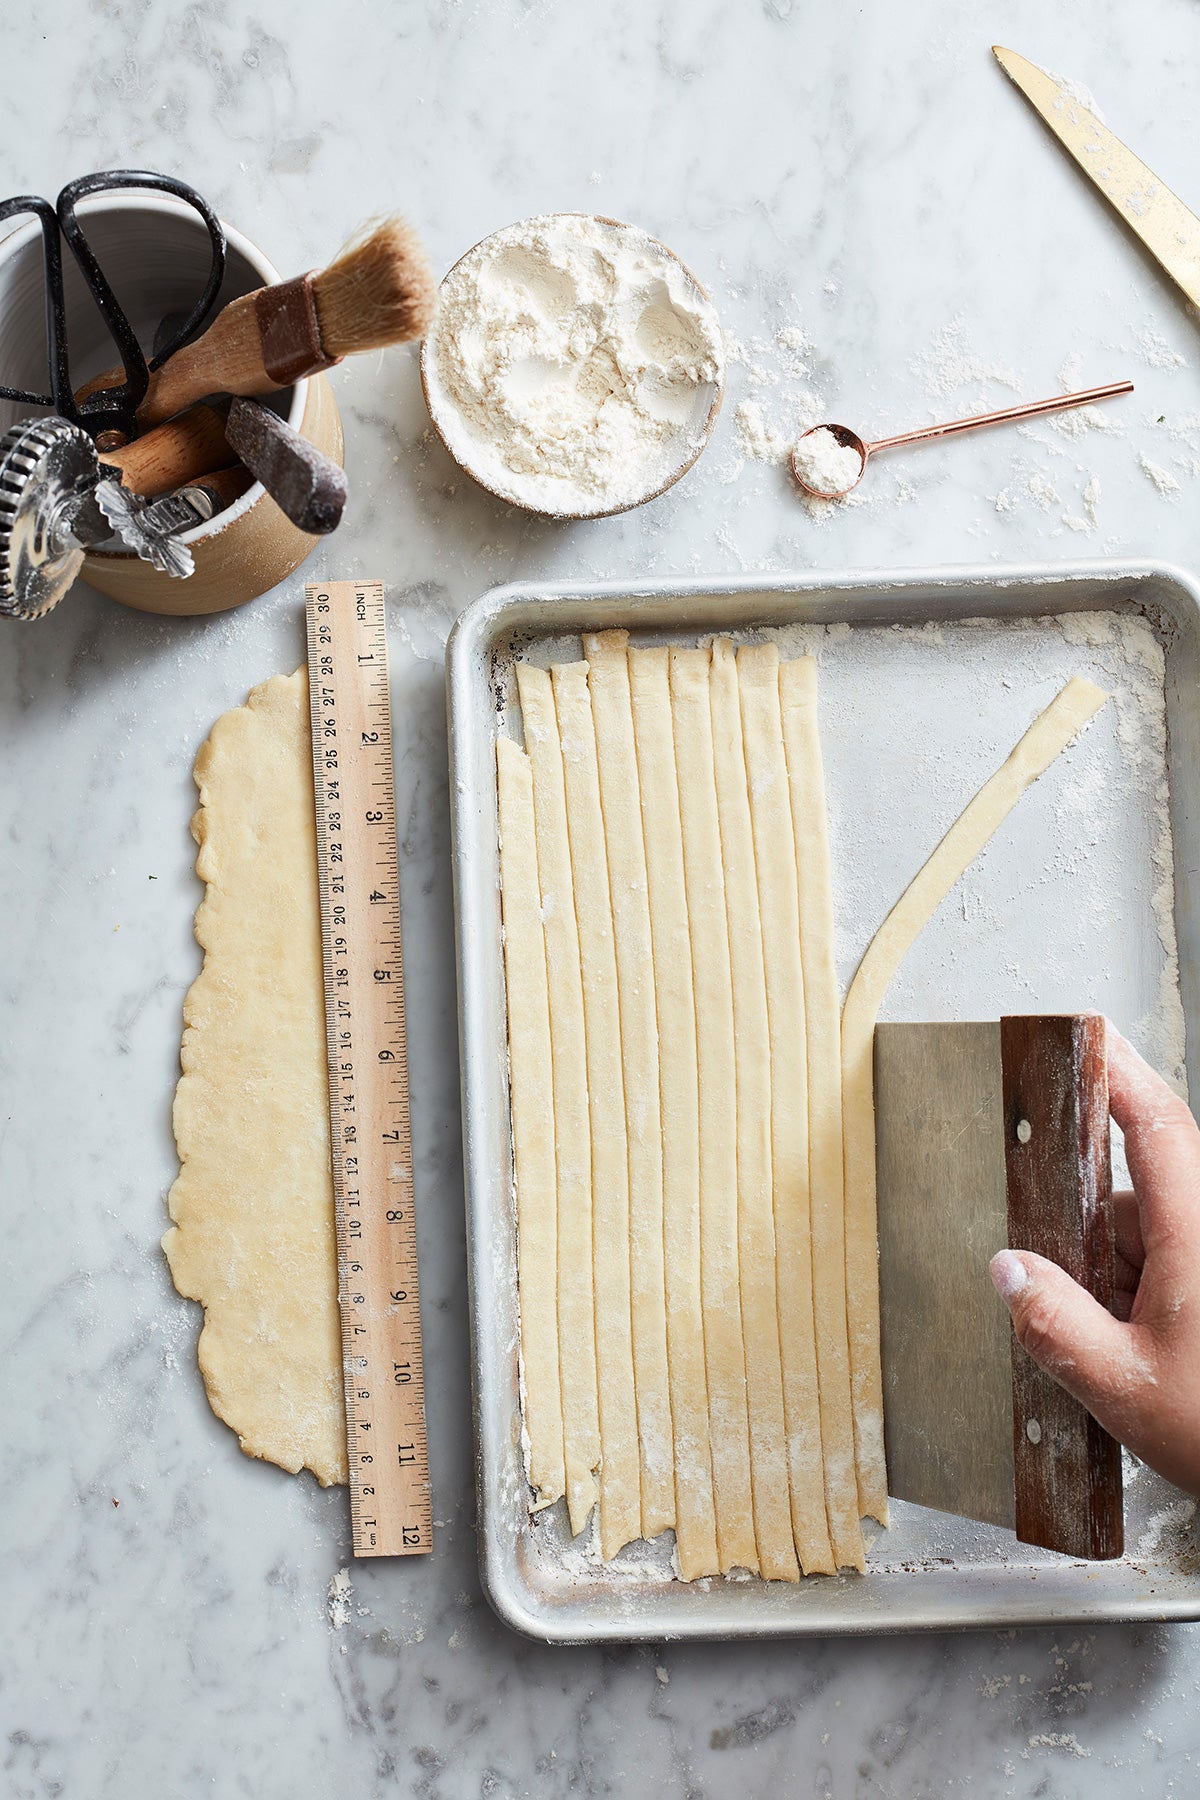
(379, 291)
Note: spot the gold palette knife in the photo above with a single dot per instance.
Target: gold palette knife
(1152, 212)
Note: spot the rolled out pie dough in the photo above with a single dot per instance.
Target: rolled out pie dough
(253, 1236)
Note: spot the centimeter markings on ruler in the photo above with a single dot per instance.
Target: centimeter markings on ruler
(359, 886)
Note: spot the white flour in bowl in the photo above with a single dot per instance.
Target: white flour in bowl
(573, 364)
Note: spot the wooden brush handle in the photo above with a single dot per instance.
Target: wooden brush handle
(259, 342)
(1066, 1468)
(172, 454)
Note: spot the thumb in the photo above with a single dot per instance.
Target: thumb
(1071, 1336)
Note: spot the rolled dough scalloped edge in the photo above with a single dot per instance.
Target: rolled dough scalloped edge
(250, 1444)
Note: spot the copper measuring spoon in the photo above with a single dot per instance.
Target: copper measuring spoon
(850, 440)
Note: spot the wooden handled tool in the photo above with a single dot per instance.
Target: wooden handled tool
(378, 292)
(1067, 1470)
(305, 483)
(224, 486)
(988, 1136)
(192, 445)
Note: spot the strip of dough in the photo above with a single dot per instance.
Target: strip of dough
(620, 1485)
(612, 713)
(779, 906)
(798, 697)
(752, 1047)
(695, 1523)
(253, 1237)
(712, 983)
(532, 1103)
(573, 1153)
(1046, 738)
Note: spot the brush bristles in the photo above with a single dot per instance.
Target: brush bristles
(380, 291)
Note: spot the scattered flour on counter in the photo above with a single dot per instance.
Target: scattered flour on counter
(756, 439)
(1163, 480)
(1091, 503)
(950, 364)
(1057, 1740)
(1043, 492)
(339, 1603)
(1157, 352)
(782, 398)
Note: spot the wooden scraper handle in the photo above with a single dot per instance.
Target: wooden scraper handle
(188, 446)
(1066, 1467)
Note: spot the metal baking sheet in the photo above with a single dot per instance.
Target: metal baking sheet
(927, 679)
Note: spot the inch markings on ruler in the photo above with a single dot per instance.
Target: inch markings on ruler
(359, 885)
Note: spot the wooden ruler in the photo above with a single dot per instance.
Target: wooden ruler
(358, 879)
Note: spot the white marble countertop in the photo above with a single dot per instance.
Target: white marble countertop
(864, 176)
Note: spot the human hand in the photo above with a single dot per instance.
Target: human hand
(1138, 1373)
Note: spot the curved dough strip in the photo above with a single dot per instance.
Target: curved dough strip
(573, 1154)
(532, 1104)
(608, 681)
(1046, 738)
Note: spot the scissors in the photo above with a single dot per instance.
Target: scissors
(109, 409)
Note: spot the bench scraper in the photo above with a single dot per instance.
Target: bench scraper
(987, 1136)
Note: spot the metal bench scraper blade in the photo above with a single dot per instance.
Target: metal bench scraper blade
(991, 1136)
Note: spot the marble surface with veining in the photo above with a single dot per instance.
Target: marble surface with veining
(890, 236)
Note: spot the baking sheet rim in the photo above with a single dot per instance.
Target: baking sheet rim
(938, 595)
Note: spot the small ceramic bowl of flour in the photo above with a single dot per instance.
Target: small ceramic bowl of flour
(574, 367)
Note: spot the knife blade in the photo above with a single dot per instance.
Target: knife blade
(1169, 230)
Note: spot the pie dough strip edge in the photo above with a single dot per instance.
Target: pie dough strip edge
(779, 907)
(573, 1164)
(1045, 739)
(679, 1104)
(620, 798)
(752, 1060)
(531, 1103)
(810, 826)
(620, 1479)
(713, 988)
